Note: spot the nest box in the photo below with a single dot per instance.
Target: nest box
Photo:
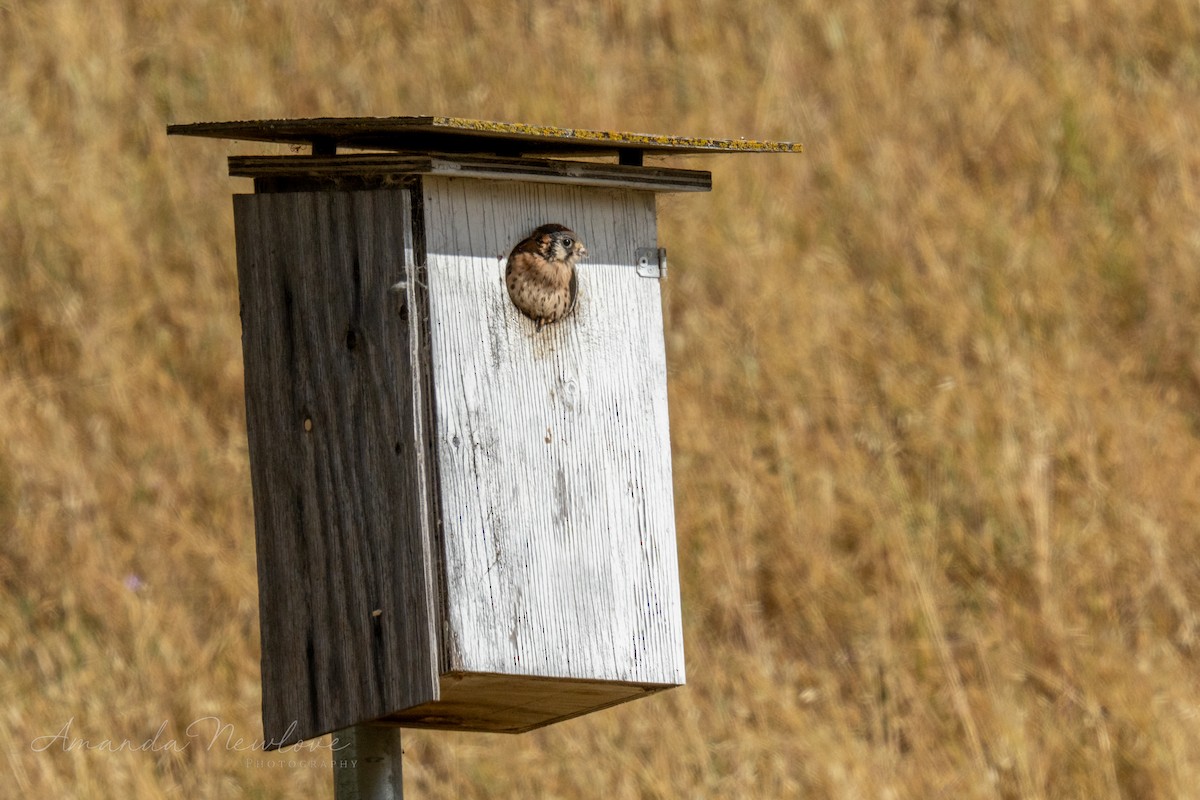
(462, 522)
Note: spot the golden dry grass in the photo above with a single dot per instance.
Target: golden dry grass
(935, 387)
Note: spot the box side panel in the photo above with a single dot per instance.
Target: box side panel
(553, 446)
(341, 523)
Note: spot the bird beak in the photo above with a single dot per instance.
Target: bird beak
(581, 252)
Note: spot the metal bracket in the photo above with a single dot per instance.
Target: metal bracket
(652, 262)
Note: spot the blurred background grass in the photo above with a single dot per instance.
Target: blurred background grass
(935, 386)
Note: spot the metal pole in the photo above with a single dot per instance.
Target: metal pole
(367, 763)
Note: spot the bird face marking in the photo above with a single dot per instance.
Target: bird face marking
(563, 246)
(540, 276)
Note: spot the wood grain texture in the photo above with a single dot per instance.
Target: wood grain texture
(553, 447)
(337, 460)
(472, 701)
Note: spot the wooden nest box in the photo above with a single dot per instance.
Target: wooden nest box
(463, 522)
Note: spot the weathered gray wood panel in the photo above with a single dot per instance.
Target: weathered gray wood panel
(337, 459)
(553, 447)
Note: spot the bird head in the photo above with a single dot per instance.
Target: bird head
(558, 243)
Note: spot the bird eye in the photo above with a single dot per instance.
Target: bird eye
(568, 241)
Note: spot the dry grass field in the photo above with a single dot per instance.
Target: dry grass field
(935, 388)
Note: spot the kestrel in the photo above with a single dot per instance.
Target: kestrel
(540, 275)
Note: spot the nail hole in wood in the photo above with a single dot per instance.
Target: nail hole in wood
(351, 339)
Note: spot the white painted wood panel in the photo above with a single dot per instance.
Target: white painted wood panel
(553, 447)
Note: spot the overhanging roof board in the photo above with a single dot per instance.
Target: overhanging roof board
(387, 167)
(455, 135)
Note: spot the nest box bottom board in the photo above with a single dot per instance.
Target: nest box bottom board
(492, 703)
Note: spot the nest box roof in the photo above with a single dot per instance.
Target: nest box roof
(455, 135)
